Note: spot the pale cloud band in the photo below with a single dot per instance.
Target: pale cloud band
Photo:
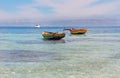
(45, 10)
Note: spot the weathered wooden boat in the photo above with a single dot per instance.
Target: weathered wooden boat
(77, 31)
(53, 35)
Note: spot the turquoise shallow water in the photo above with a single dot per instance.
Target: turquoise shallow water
(24, 54)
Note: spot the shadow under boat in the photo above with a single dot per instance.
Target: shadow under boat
(53, 41)
(77, 35)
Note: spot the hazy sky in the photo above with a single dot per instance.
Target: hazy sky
(59, 12)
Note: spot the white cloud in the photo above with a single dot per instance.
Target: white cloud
(4, 15)
(62, 9)
(79, 8)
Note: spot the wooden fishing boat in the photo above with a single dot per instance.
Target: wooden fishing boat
(53, 35)
(77, 31)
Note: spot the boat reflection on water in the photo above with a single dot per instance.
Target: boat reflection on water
(54, 41)
(77, 34)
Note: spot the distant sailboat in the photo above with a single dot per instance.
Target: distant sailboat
(37, 26)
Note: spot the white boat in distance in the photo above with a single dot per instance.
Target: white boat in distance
(37, 26)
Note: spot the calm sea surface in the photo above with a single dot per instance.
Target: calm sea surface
(25, 54)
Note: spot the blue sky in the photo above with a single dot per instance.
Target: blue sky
(52, 12)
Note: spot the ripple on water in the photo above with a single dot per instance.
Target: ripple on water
(24, 56)
(41, 41)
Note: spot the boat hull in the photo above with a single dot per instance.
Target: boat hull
(53, 36)
(77, 31)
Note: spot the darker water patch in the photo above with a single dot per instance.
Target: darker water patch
(54, 41)
(24, 56)
(30, 42)
(41, 41)
(103, 40)
(6, 40)
(91, 39)
(116, 56)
